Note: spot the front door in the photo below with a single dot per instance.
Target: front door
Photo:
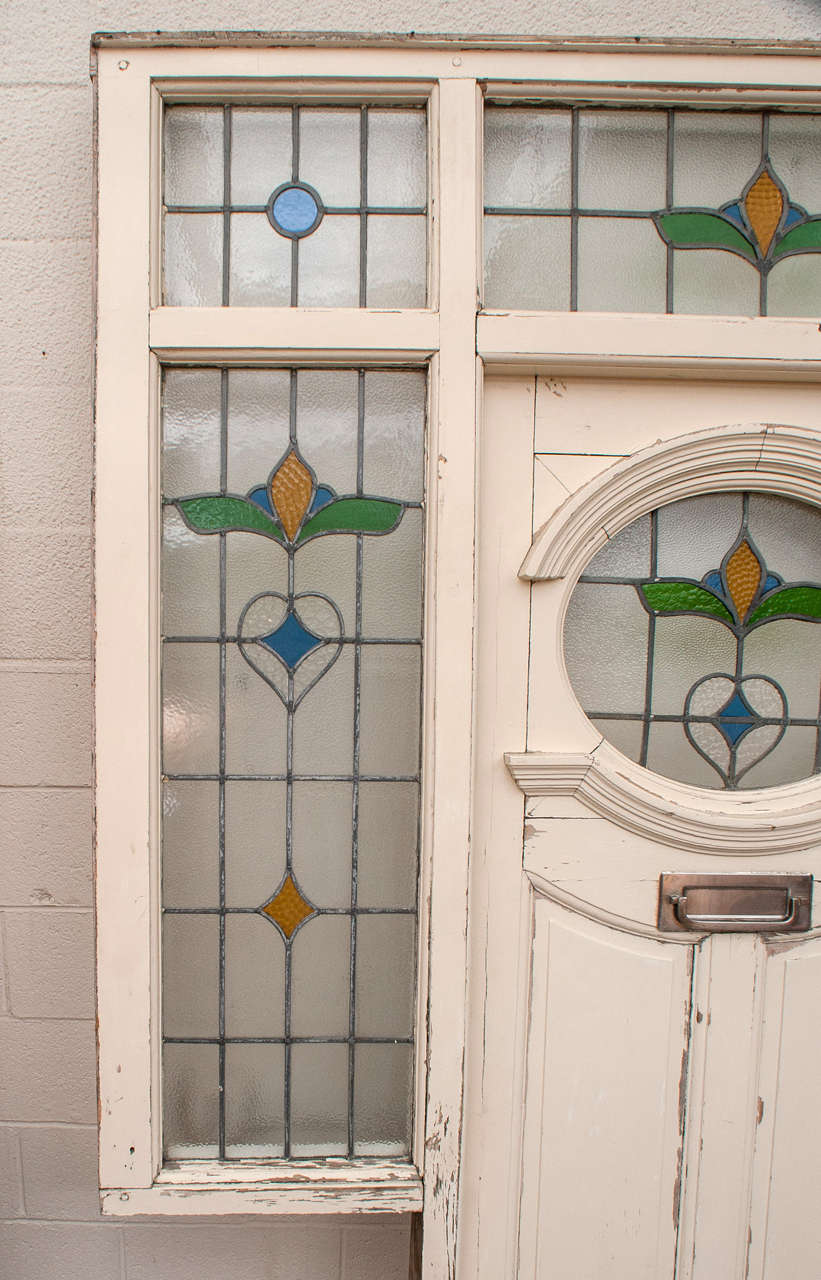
(640, 1100)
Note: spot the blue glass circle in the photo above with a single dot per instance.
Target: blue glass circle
(295, 211)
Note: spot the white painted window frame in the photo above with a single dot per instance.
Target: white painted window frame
(135, 335)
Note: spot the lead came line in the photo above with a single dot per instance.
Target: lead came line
(222, 753)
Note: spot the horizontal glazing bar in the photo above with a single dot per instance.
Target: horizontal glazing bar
(283, 777)
(290, 1040)
(320, 911)
(536, 212)
(401, 210)
(397, 640)
(694, 719)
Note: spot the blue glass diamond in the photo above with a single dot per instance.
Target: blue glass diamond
(736, 718)
(291, 642)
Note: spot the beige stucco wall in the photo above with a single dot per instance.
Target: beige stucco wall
(50, 1224)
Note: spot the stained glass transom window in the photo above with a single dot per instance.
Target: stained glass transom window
(693, 643)
(292, 646)
(295, 206)
(706, 212)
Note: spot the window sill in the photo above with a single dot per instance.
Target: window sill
(195, 1187)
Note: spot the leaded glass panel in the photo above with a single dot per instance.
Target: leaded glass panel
(295, 206)
(692, 640)
(292, 643)
(647, 210)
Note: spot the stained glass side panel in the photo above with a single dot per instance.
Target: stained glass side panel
(292, 561)
(295, 206)
(647, 210)
(692, 641)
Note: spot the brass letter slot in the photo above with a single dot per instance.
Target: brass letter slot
(734, 903)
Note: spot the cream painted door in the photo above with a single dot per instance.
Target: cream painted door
(640, 1105)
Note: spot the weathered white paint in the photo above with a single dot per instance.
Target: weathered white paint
(501, 909)
(670, 1078)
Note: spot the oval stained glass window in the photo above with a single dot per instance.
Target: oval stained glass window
(693, 640)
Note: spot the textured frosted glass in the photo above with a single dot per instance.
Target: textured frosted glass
(319, 1099)
(394, 446)
(323, 736)
(258, 406)
(392, 581)
(329, 153)
(710, 282)
(527, 158)
(322, 834)
(327, 408)
(254, 977)
(685, 649)
(389, 709)
(329, 264)
(694, 535)
(254, 841)
(193, 259)
(794, 286)
(606, 663)
(321, 977)
(254, 1123)
(795, 154)
(626, 553)
(191, 431)
(193, 155)
(260, 263)
(385, 970)
(789, 652)
(788, 535)
(670, 754)
(328, 565)
(190, 869)
(190, 579)
(794, 757)
(254, 721)
(397, 161)
(624, 735)
(388, 836)
(190, 947)
(190, 1101)
(622, 265)
(396, 260)
(260, 152)
(622, 159)
(383, 1099)
(715, 155)
(190, 708)
(527, 263)
(250, 569)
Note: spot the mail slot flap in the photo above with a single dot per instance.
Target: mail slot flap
(734, 903)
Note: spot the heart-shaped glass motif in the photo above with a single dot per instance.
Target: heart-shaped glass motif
(290, 643)
(734, 723)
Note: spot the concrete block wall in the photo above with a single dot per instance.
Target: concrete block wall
(50, 1226)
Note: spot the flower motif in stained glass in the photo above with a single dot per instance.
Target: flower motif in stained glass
(762, 224)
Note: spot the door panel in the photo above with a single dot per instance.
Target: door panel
(639, 1106)
(608, 1044)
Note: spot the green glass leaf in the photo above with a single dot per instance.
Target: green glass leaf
(800, 602)
(805, 238)
(354, 515)
(683, 597)
(218, 513)
(692, 229)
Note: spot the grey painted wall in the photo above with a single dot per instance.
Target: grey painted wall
(50, 1228)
